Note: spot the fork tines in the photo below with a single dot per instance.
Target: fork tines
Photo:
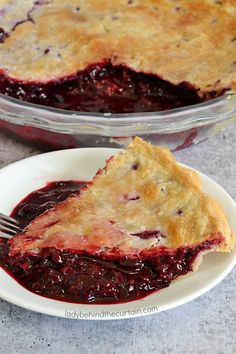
(8, 226)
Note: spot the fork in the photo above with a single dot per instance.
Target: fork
(8, 226)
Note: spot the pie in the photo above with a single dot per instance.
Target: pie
(142, 222)
(143, 202)
(120, 56)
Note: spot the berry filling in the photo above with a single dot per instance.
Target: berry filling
(104, 88)
(81, 278)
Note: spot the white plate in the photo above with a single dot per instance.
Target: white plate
(23, 177)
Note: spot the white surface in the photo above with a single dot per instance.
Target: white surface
(30, 174)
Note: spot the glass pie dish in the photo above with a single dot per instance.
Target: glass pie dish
(118, 57)
(52, 128)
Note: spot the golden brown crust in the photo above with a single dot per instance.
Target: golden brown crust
(140, 190)
(192, 41)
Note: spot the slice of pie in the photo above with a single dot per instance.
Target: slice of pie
(142, 205)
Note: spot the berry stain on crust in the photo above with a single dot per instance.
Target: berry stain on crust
(82, 278)
(149, 234)
(3, 35)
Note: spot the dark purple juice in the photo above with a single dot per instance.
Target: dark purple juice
(104, 88)
(81, 278)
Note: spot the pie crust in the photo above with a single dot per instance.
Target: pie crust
(143, 203)
(179, 41)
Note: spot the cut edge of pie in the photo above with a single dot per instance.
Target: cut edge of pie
(179, 43)
(142, 204)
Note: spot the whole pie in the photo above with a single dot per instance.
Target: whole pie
(117, 56)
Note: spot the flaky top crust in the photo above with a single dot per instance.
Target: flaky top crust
(142, 202)
(180, 41)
